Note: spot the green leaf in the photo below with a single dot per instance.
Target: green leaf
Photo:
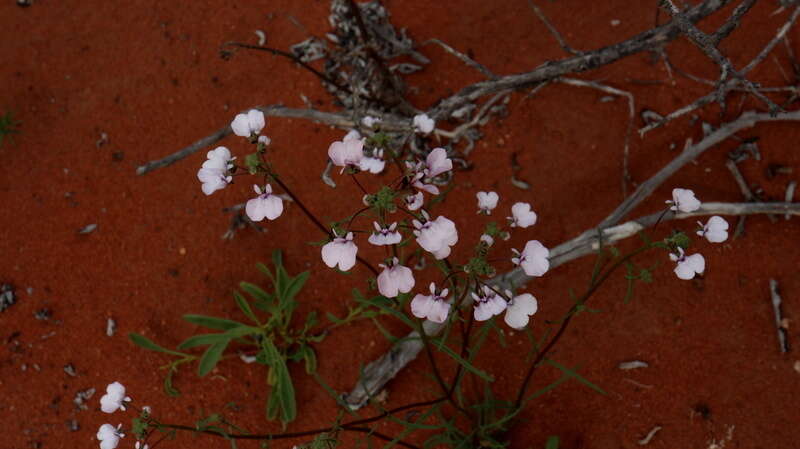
(311, 359)
(294, 286)
(202, 340)
(211, 357)
(576, 376)
(212, 322)
(283, 390)
(468, 366)
(146, 343)
(244, 305)
(552, 442)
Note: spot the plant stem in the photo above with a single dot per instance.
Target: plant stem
(565, 323)
(315, 220)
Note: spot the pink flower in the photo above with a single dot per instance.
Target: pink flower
(423, 124)
(519, 309)
(395, 279)
(436, 236)
(683, 200)
(114, 398)
(109, 436)
(437, 163)
(264, 205)
(347, 153)
(715, 231)
(487, 304)
(414, 202)
(214, 173)
(487, 201)
(522, 215)
(340, 251)
(433, 307)
(248, 125)
(373, 164)
(533, 259)
(385, 236)
(688, 266)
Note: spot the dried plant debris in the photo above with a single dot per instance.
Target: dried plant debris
(111, 327)
(7, 296)
(748, 149)
(780, 323)
(82, 397)
(88, 229)
(633, 364)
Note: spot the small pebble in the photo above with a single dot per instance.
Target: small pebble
(88, 229)
(633, 365)
(111, 327)
(615, 22)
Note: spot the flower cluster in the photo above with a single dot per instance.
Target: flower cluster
(715, 231)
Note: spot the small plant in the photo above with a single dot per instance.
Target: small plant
(272, 341)
(8, 127)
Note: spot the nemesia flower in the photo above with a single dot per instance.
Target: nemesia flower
(519, 309)
(683, 200)
(487, 239)
(433, 307)
(264, 205)
(487, 201)
(373, 164)
(423, 124)
(370, 121)
(340, 251)
(533, 259)
(140, 445)
(353, 134)
(715, 231)
(414, 202)
(436, 236)
(395, 279)
(385, 236)
(487, 304)
(264, 140)
(347, 153)
(522, 215)
(214, 172)
(688, 266)
(114, 398)
(109, 436)
(249, 124)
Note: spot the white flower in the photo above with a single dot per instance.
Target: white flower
(114, 398)
(519, 309)
(683, 200)
(374, 164)
(715, 231)
(487, 304)
(436, 236)
(385, 236)
(109, 436)
(522, 215)
(347, 152)
(688, 266)
(487, 239)
(433, 307)
(423, 124)
(250, 124)
(353, 134)
(214, 172)
(533, 258)
(264, 140)
(487, 201)
(140, 445)
(370, 121)
(341, 251)
(414, 202)
(264, 205)
(395, 279)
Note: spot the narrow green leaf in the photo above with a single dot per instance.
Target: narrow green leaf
(212, 322)
(283, 388)
(552, 442)
(576, 376)
(295, 285)
(468, 366)
(146, 343)
(202, 340)
(211, 357)
(244, 305)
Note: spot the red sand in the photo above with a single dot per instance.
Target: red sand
(148, 74)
